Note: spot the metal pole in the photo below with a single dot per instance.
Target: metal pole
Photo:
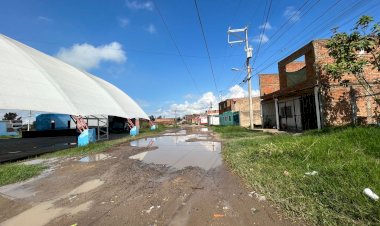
(249, 73)
(250, 95)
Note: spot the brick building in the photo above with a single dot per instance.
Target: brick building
(307, 98)
(236, 111)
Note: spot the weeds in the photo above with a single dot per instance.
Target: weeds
(15, 172)
(347, 161)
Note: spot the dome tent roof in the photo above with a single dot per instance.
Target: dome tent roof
(32, 80)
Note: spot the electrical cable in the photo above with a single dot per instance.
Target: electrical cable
(205, 41)
(176, 46)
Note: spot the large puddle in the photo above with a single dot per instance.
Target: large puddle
(42, 213)
(176, 152)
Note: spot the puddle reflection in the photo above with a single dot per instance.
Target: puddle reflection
(175, 152)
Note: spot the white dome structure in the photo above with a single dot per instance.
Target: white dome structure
(32, 80)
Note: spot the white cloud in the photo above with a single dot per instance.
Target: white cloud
(266, 25)
(151, 29)
(140, 5)
(263, 38)
(43, 18)
(204, 102)
(292, 14)
(124, 22)
(86, 56)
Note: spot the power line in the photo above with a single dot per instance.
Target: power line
(309, 26)
(204, 39)
(176, 46)
(305, 12)
(349, 10)
(346, 22)
(263, 31)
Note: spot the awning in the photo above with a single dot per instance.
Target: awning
(32, 80)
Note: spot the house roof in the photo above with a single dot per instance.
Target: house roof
(32, 80)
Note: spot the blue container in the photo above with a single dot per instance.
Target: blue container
(86, 137)
(134, 131)
(53, 122)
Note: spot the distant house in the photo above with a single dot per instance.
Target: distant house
(236, 111)
(213, 117)
(302, 96)
(10, 127)
(192, 119)
(165, 121)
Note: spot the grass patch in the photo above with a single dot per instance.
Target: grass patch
(103, 145)
(229, 132)
(15, 172)
(347, 161)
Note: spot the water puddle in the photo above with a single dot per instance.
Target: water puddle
(44, 212)
(176, 152)
(86, 187)
(94, 158)
(181, 132)
(204, 129)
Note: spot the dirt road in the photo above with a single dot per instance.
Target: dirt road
(175, 179)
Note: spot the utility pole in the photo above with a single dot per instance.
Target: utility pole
(30, 117)
(248, 50)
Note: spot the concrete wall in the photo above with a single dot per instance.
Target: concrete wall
(227, 118)
(213, 120)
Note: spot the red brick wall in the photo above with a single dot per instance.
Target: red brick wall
(337, 104)
(294, 66)
(269, 83)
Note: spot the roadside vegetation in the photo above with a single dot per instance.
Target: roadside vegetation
(16, 172)
(346, 161)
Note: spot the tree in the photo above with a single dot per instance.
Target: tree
(152, 118)
(11, 116)
(348, 51)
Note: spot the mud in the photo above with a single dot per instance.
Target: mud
(184, 183)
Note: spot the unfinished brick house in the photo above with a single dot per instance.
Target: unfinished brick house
(236, 111)
(303, 96)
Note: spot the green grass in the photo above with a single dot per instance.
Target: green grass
(347, 161)
(15, 172)
(229, 132)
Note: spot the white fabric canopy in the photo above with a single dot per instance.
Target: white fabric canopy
(32, 80)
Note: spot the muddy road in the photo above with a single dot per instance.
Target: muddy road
(177, 178)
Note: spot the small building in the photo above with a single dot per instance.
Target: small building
(203, 119)
(303, 96)
(192, 119)
(10, 127)
(236, 111)
(213, 117)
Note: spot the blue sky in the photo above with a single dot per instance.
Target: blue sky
(126, 42)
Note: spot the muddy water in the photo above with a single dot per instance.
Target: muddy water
(178, 153)
(44, 212)
(94, 158)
